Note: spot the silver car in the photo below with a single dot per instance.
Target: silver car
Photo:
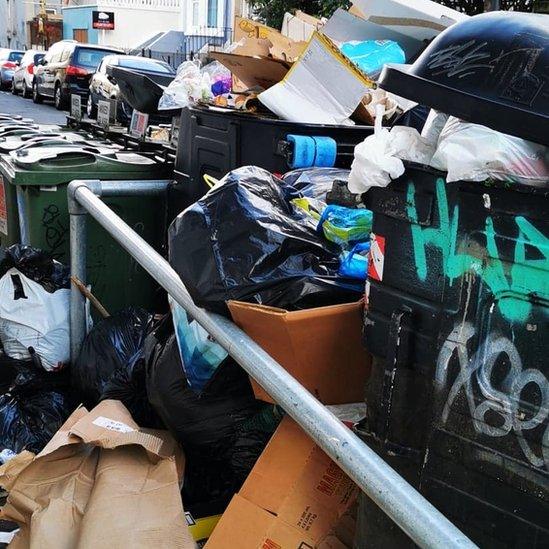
(23, 76)
(9, 61)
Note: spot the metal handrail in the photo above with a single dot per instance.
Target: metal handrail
(418, 518)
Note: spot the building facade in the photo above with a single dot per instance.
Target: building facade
(137, 22)
(13, 31)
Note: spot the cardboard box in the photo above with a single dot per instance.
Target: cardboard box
(247, 28)
(300, 26)
(322, 87)
(419, 19)
(294, 497)
(101, 482)
(343, 26)
(253, 71)
(322, 348)
(259, 61)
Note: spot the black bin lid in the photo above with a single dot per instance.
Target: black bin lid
(491, 69)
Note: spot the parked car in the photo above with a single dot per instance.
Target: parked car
(23, 76)
(103, 84)
(66, 69)
(9, 60)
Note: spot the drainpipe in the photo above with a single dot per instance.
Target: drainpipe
(226, 6)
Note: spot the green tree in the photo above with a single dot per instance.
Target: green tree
(271, 12)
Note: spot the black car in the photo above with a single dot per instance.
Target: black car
(66, 69)
(103, 84)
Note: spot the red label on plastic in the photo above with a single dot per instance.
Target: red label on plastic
(377, 257)
(3, 208)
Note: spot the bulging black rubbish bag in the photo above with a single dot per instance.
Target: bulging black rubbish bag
(245, 240)
(111, 363)
(37, 265)
(34, 406)
(315, 182)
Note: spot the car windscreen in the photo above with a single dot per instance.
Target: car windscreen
(89, 58)
(16, 56)
(37, 57)
(149, 65)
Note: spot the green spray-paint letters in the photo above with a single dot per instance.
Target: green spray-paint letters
(512, 283)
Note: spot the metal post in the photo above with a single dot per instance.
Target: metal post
(398, 499)
(23, 217)
(78, 241)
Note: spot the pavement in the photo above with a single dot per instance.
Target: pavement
(42, 114)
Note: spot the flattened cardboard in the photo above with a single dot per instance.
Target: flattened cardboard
(246, 28)
(295, 496)
(253, 71)
(98, 484)
(322, 87)
(300, 26)
(322, 348)
(419, 19)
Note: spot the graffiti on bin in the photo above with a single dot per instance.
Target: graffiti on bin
(526, 277)
(475, 377)
(56, 231)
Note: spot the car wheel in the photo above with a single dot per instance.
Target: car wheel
(58, 98)
(26, 91)
(13, 88)
(91, 108)
(36, 97)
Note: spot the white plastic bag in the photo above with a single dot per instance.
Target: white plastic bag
(32, 318)
(470, 152)
(378, 159)
(188, 86)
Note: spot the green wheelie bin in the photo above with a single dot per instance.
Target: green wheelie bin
(40, 176)
(9, 217)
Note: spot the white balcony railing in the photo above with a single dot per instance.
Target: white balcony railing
(147, 4)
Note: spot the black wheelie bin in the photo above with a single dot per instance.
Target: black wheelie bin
(458, 302)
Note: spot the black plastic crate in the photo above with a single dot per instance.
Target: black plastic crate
(215, 143)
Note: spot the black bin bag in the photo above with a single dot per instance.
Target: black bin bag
(222, 430)
(245, 240)
(111, 364)
(33, 404)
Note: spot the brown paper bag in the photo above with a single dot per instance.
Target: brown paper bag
(100, 482)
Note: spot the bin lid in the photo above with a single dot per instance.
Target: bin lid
(5, 129)
(37, 139)
(73, 155)
(491, 69)
(51, 166)
(6, 116)
(142, 91)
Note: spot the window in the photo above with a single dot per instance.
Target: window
(90, 57)
(66, 53)
(212, 13)
(144, 64)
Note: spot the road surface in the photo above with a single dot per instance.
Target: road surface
(42, 114)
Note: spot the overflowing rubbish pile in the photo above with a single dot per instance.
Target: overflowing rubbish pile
(356, 247)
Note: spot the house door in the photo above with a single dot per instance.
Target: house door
(80, 35)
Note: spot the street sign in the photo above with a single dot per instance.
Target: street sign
(103, 20)
(104, 113)
(139, 123)
(76, 107)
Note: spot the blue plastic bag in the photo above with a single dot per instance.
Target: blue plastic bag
(200, 354)
(371, 55)
(354, 264)
(345, 226)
